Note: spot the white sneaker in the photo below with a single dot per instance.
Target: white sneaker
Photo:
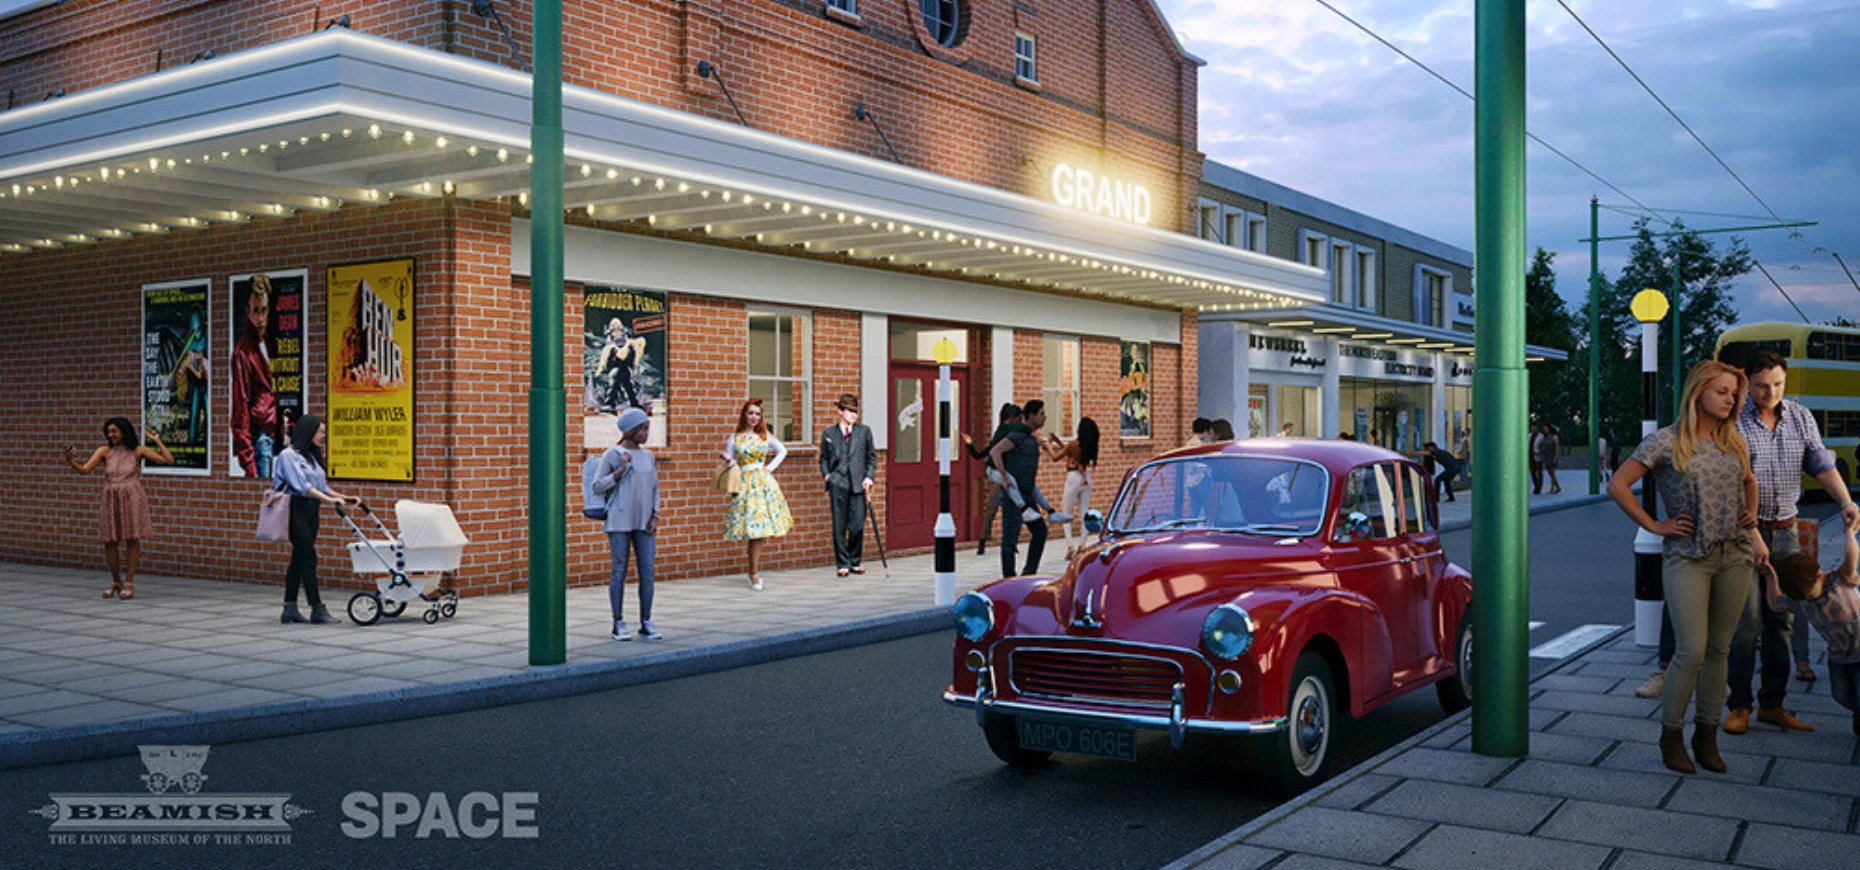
(1060, 517)
(648, 632)
(620, 631)
(1654, 687)
(755, 583)
(1030, 515)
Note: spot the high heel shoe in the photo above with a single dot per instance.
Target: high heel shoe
(114, 589)
(129, 591)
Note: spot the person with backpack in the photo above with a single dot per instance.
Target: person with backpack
(622, 487)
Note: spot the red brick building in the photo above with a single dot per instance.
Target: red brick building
(1018, 177)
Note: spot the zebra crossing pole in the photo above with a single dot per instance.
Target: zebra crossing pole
(944, 352)
(1649, 306)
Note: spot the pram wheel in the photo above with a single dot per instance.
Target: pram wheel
(431, 615)
(449, 609)
(364, 608)
(392, 609)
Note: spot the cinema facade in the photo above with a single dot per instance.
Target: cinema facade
(1021, 184)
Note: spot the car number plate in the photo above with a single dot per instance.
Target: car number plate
(1041, 735)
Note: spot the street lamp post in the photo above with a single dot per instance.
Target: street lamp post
(548, 521)
(1648, 307)
(944, 352)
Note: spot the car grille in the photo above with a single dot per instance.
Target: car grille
(1092, 677)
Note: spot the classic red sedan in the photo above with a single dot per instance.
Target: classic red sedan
(1260, 588)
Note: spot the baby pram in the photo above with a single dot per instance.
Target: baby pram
(409, 566)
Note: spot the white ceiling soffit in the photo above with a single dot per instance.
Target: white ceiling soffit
(1349, 324)
(341, 117)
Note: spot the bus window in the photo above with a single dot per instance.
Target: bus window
(1742, 350)
(1835, 346)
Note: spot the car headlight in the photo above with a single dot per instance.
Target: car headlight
(1227, 632)
(974, 615)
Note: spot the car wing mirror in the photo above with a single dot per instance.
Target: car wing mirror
(1356, 526)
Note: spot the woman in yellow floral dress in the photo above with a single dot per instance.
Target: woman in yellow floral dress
(758, 511)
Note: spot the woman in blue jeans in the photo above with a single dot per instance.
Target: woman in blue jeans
(629, 481)
(1701, 466)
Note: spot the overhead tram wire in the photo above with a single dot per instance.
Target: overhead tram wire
(1699, 139)
(1468, 95)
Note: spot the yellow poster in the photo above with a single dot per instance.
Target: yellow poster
(371, 371)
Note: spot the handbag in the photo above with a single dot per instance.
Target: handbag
(274, 516)
(728, 479)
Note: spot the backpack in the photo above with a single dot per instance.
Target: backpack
(593, 504)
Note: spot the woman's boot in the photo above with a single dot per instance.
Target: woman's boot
(1705, 747)
(320, 615)
(290, 614)
(1673, 750)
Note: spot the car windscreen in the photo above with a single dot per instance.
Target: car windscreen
(1251, 494)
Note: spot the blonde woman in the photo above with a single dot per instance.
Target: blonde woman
(1701, 465)
(759, 511)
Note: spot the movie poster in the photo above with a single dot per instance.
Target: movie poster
(1133, 408)
(371, 369)
(176, 370)
(623, 361)
(265, 365)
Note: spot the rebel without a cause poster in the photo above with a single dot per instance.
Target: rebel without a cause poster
(265, 366)
(177, 317)
(371, 370)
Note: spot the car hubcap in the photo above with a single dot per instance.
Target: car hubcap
(1311, 726)
(1466, 661)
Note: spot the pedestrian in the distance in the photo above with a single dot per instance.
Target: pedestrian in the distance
(848, 462)
(1285, 431)
(1080, 456)
(1017, 458)
(1553, 456)
(123, 520)
(1199, 432)
(991, 498)
(1222, 431)
(1448, 465)
(758, 511)
(301, 472)
(629, 481)
(1702, 468)
(1538, 438)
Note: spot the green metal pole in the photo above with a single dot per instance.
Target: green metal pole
(1679, 340)
(1595, 349)
(1500, 530)
(548, 411)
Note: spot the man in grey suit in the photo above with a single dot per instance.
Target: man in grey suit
(848, 460)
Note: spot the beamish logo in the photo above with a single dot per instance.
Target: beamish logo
(161, 818)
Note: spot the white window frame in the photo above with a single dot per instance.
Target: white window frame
(1306, 241)
(1071, 344)
(1026, 63)
(805, 377)
(1343, 275)
(1426, 306)
(1244, 229)
(1365, 262)
(1209, 217)
(850, 7)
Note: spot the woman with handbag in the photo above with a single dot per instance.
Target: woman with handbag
(758, 511)
(123, 518)
(300, 472)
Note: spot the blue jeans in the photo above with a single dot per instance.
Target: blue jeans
(624, 545)
(1765, 633)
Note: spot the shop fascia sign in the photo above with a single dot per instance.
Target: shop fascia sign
(1383, 363)
(1465, 306)
(1283, 353)
(1101, 194)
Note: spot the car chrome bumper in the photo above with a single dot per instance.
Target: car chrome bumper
(1175, 723)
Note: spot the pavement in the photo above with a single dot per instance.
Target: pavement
(194, 661)
(1590, 793)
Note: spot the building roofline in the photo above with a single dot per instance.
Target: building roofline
(1217, 174)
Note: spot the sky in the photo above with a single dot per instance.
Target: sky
(1295, 94)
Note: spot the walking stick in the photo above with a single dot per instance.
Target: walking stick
(871, 513)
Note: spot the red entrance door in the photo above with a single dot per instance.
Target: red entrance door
(911, 480)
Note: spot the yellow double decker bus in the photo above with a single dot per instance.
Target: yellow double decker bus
(1824, 375)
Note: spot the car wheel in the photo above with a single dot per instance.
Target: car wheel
(1456, 691)
(1004, 741)
(1301, 756)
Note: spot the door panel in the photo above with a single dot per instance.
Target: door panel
(911, 487)
(1371, 561)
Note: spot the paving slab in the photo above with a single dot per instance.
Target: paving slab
(1611, 824)
(1645, 758)
(1783, 848)
(1241, 857)
(1589, 783)
(1650, 861)
(85, 714)
(1466, 806)
(157, 690)
(1825, 778)
(1358, 791)
(1828, 812)
(1449, 847)
(227, 700)
(1595, 702)
(1350, 836)
(1446, 765)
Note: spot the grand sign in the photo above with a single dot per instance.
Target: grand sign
(1089, 191)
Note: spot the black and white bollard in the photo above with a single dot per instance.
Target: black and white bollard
(1649, 596)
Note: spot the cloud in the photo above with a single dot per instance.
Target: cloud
(1296, 94)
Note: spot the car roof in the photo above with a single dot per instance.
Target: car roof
(1335, 454)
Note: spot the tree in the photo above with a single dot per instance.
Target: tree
(1556, 395)
(1843, 322)
(1706, 309)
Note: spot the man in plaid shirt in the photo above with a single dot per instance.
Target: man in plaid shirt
(1784, 445)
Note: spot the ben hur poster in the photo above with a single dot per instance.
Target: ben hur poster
(177, 370)
(371, 369)
(265, 367)
(623, 361)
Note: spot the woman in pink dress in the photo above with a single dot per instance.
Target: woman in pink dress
(124, 516)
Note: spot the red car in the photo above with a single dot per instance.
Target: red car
(1258, 588)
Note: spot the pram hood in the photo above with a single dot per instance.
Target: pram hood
(428, 526)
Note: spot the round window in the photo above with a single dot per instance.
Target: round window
(946, 20)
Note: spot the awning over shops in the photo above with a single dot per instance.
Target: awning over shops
(1352, 325)
(315, 123)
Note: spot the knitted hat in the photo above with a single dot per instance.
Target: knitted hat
(632, 418)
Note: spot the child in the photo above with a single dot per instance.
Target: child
(1011, 422)
(629, 480)
(1831, 602)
